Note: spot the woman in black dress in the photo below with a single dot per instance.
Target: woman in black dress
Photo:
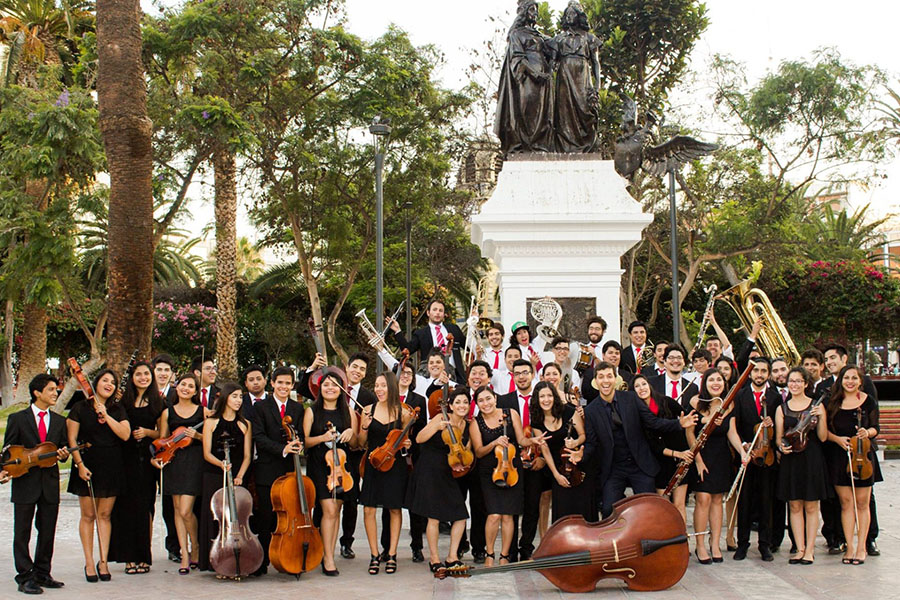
(433, 491)
(330, 407)
(132, 515)
(669, 448)
(725, 366)
(182, 477)
(501, 503)
(852, 414)
(225, 423)
(386, 489)
(552, 417)
(713, 464)
(802, 481)
(102, 423)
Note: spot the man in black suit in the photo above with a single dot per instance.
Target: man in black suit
(254, 379)
(637, 332)
(614, 427)
(755, 404)
(836, 358)
(434, 335)
(205, 370)
(273, 453)
(36, 494)
(164, 373)
(673, 383)
(612, 354)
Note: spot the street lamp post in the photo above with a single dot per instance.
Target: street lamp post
(380, 128)
(407, 206)
(673, 249)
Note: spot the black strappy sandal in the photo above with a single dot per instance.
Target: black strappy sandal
(374, 564)
(390, 566)
(435, 566)
(505, 557)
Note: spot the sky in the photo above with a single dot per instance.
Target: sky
(758, 34)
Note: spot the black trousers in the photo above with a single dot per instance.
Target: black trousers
(873, 520)
(45, 523)
(416, 530)
(534, 486)
(832, 530)
(758, 493)
(265, 520)
(470, 484)
(351, 500)
(624, 475)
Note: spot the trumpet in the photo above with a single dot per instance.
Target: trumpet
(374, 337)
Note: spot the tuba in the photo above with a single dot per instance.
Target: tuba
(548, 313)
(751, 304)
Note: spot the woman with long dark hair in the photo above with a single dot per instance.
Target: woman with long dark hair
(852, 414)
(104, 424)
(226, 425)
(725, 366)
(669, 448)
(330, 407)
(132, 515)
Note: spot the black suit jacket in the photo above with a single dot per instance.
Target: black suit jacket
(745, 415)
(247, 405)
(689, 390)
(627, 362)
(269, 438)
(423, 342)
(38, 483)
(635, 418)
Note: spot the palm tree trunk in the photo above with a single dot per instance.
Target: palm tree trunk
(226, 257)
(126, 130)
(33, 356)
(7, 378)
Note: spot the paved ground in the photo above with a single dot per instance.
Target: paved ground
(750, 579)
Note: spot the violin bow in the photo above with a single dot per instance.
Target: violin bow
(853, 489)
(96, 519)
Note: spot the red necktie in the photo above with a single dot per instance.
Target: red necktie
(42, 427)
(496, 359)
(283, 406)
(402, 398)
(757, 395)
(661, 371)
(512, 383)
(674, 389)
(203, 397)
(637, 352)
(539, 365)
(526, 411)
(439, 336)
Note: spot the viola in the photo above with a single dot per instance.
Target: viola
(859, 465)
(18, 460)
(528, 454)
(798, 435)
(296, 545)
(762, 454)
(164, 449)
(383, 457)
(460, 457)
(437, 396)
(236, 551)
(570, 470)
(85, 386)
(643, 542)
(339, 479)
(505, 473)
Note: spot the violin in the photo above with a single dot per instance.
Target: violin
(505, 473)
(460, 457)
(18, 460)
(85, 386)
(437, 396)
(236, 551)
(762, 454)
(296, 545)
(528, 454)
(643, 542)
(860, 465)
(570, 470)
(164, 449)
(383, 457)
(339, 479)
(798, 435)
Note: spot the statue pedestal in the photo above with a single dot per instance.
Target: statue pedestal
(557, 225)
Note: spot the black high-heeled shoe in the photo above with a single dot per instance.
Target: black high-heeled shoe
(90, 578)
(330, 572)
(703, 561)
(390, 566)
(103, 576)
(433, 567)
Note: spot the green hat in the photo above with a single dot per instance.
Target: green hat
(519, 325)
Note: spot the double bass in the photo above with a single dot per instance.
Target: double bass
(643, 542)
(296, 545)
(236, 551)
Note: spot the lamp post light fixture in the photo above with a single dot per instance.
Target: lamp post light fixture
(380, 129)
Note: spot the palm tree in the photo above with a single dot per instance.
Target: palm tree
(839, 235)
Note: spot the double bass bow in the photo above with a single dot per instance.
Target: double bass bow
(236, 551)
(296, 545)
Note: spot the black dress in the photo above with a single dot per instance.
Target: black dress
(132, 513)
(578, 500)
(316, 467)
(183, 475)
(212, 481)
(672, 440)
(386, 489)
(845, 423)
(104, 458)
(433, 492)
(497, 500)
(717, 458)
(802, 475)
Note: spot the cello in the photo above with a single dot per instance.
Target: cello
(339, 479)
(505, 473)
(296, 545)
(643, 542)
(236, 551)
(383, 457)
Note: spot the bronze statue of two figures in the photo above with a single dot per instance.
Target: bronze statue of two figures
(548, 98)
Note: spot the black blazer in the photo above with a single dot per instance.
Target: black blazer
(247, 405)
(269, 438)
(635, 418)
(423, 342)
(689, 390)
(37, 483)
(745, 415)
(627, 362)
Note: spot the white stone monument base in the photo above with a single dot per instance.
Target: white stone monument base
(557, 225)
